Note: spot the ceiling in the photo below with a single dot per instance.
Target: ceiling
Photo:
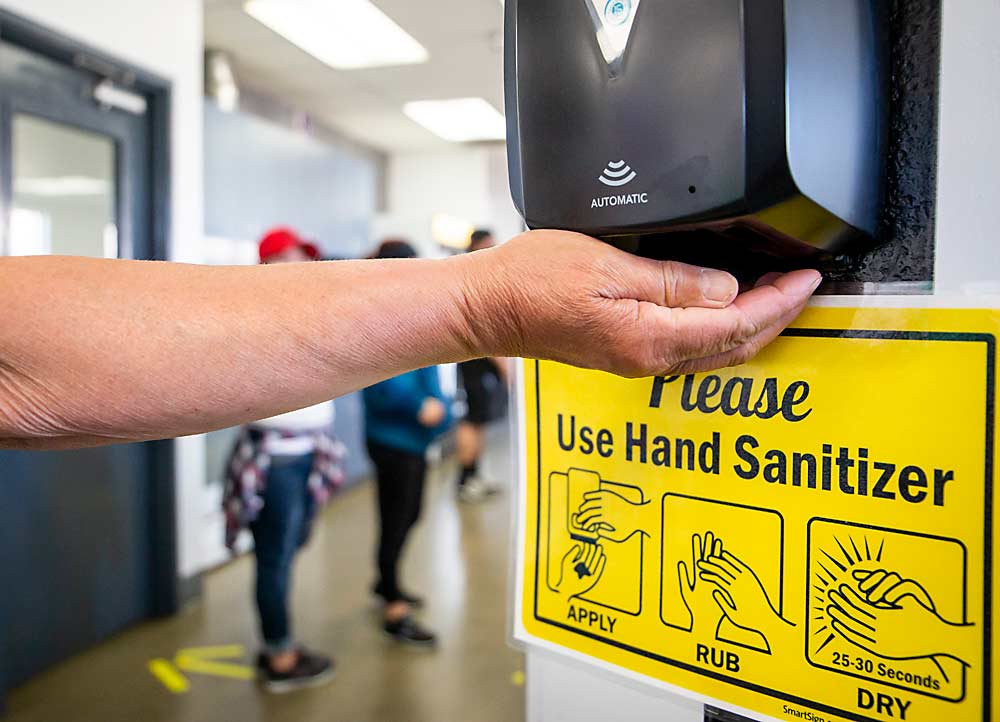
(463, 37)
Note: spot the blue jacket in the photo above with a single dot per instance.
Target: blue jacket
(391, 409)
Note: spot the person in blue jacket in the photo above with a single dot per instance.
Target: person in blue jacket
(403, 416)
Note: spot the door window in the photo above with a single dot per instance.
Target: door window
(64, 199)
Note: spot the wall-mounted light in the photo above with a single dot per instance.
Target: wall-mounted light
(460, 120)
(346, 35)
(220, 80)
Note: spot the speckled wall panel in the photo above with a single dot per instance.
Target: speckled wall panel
(907, 224)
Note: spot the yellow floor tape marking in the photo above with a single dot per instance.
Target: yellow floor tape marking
(200, 665)
(200, 660)
(226, 651)
(169, 676)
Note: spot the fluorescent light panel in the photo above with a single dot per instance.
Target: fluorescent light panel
(460, 120)
(344, 34)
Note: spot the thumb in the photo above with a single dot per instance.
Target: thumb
(684, 577)
(678, 285)
(724, 601)
(573, 554)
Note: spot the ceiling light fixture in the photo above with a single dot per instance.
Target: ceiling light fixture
(461, 120)
(346, 35)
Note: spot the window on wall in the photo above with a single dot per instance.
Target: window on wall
(64, 190)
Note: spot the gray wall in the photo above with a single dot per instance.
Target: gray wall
(259, 174)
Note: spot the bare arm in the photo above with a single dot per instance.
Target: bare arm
(98, 351)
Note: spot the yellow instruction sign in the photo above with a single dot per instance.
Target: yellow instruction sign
(808, 536)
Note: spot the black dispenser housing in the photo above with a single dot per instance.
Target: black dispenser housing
(761, 124)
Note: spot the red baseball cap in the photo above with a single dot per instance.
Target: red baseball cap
(279, 240)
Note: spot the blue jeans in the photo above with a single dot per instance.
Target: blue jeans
(279, 531)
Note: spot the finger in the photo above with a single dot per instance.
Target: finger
(695, 549)
(863, 574)
(683, 577)
(908, 587)
(741, 351)
(848, 600)
(679, 285)
(868, 583)
(706, 549)
(707, 332)
(717, 548)
(588, 562)
(712, 568)
(738, 564)
(732, 563)
(713, 578)
(599, 569)
(888, 582)
(574, 552)
(593, 495)
(585, 521)
(767, 279)
(847, 620)
(596, 556)
(589, 506)
(724, 601)
(859, 640)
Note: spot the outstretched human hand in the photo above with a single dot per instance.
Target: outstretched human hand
(612, 516)
(582, 567)
(544, 295)
(884, 588)
(566, 297)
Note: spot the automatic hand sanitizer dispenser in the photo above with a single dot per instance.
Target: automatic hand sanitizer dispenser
(762, 122)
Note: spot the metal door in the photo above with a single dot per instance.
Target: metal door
(86, 537)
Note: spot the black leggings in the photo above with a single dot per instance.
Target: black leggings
(400, 476)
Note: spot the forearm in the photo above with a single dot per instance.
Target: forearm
(98, 351)
(151, 350)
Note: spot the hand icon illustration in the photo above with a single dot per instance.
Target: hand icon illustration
(896, 619)
(883, 588)
(698, 594)
(611, 515)
(741, 596)
(582, 567)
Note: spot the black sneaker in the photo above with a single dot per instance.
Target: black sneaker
(414, 601)
(311, 670)
(407, 631)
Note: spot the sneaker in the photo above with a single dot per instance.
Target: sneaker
(311, 670)
(476, 490)
(407, 631)
(411, 599)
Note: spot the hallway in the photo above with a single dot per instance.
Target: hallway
(458, 560)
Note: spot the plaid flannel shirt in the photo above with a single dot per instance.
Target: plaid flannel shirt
(248, 466)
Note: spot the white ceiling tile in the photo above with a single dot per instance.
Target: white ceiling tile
(461, 35)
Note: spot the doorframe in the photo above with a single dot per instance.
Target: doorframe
(164, 594)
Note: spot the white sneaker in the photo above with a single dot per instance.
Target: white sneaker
(476, 490)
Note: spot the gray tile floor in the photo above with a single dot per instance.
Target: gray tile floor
(458, 558)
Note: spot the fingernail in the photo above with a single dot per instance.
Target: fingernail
(804, 282)
(718, 286)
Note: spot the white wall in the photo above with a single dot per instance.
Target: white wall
(163, 37)
(467, 182)
(968, 148)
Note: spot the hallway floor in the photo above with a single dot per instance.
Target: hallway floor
(458, 559)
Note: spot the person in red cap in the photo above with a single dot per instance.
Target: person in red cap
(283, 245)
(280, 470)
